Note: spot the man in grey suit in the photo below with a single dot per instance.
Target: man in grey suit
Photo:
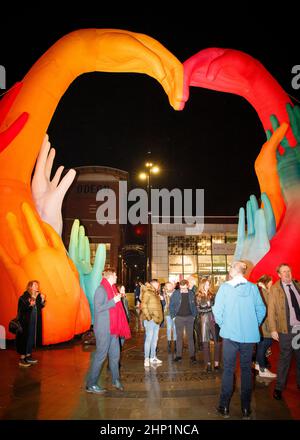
(110, 323)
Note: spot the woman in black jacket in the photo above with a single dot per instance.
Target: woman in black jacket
(29, 311)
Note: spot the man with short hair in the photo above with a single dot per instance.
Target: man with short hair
(284, 323)
(183, 309)
(238, 310)
(110, 325)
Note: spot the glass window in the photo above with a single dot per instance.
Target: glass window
(175, 264)
(93, 249)
(219, 263)
(204, 245)
(190, 264)
(231, 238)
(174, 277)
(218, 238)
(218, 280)
(204, 264)
(229, 259)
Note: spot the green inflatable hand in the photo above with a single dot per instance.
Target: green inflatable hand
(288, 158)
(79, 252)
(254, 243)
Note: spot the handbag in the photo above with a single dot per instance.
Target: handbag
(14, 326)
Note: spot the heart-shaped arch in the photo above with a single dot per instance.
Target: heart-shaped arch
(29, 247)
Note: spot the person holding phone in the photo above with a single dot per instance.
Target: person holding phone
(30, 305)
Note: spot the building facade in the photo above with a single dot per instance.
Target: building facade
(176, 255)
(80, 203)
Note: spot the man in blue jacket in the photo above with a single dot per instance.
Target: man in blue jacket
(183, 309)
(238, 310)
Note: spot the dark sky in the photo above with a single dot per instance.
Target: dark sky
(114, 119)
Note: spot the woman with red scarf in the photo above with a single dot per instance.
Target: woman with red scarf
(110, 324)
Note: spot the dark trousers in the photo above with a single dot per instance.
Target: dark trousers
(285, 356)
(106, 345)
(206, 352)
(230, 351)
(187, 323)
(31, 333)
(261, 351)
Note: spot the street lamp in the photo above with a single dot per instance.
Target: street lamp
(151, 168)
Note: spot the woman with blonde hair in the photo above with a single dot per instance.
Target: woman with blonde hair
(30, 305)
(209, 330)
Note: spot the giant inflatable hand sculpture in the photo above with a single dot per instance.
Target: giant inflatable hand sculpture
(278, 172)
(48, 194)
(233, 71)
(285, 244)
(40, 254)
(24, 116)
(79, 252)
(254, 243)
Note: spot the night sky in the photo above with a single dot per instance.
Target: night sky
(114, 119)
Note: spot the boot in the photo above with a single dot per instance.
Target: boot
(169, 346)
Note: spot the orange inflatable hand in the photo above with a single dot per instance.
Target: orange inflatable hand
(44, 258)
(266, 171)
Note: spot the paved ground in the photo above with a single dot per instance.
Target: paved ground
(55, 388)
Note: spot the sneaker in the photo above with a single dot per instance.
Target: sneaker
(24, 363)
(246, 414)
(95, 389)
(223, 411)
(118, 385)
(193, 360)
(268, 352)
(208, 368)
(155, 360)
(30, 360)
(264, 372)
(147, 362)
(277, 394)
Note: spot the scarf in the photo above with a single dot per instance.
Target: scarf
(118, 322)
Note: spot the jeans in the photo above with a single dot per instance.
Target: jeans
(230, 350)
(170, 326)
(151, 338)
(261, 351)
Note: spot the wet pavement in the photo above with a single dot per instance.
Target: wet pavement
(54, 389)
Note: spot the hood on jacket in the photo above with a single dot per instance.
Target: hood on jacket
(243, 289)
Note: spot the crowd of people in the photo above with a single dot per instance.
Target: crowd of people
(240, 317)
